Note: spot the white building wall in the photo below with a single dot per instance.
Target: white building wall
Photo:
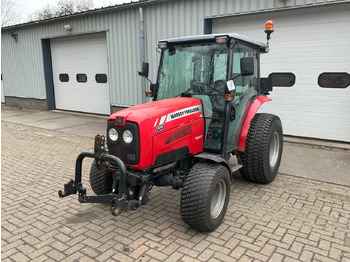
(22, 60)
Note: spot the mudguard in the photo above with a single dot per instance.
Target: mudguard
(215, 158)
(250, 115)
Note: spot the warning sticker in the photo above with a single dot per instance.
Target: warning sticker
(230, 85)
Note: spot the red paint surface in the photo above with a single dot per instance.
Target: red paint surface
(152, 142)
(250, 115)
(194, 140)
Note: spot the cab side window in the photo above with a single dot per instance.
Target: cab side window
(242, 83)
(246, 89)
(220, 62)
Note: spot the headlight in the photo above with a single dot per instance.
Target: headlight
(127, 136)
(113, 134)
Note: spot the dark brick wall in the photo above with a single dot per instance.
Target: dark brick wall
(30, 103)
(39, 104)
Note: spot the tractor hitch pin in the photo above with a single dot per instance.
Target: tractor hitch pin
(114, 185)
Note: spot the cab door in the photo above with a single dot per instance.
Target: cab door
(246, 90)
(216, 94)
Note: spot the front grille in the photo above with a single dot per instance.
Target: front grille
(128, 153)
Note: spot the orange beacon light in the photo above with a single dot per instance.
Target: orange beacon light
(269, 29)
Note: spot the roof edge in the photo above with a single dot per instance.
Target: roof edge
(213, 36)
(89, 12)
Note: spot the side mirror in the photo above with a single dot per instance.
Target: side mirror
(247, 66)
(282, 79)
(144, 70)
(276, 79)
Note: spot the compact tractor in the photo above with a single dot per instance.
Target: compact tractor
(204, 112)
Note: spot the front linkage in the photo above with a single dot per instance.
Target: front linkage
(118, 198)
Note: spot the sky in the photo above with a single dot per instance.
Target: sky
(27, 7)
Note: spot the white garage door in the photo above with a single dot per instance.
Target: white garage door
(306, 42)
(80, 73)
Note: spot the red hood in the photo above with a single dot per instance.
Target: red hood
(160, 117)
(154, 114)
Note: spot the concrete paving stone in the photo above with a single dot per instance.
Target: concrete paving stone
(238, 252)
(276, 257)
(42, 258)
(8, 253)
(289, 259)
(347, 241)
(75, 257)
(257, 255)
(188, 251)
(39, 226)
(206, 255)
(176, 256)
(156, 254)
(20, 257)
(246, 258)
(189, 259)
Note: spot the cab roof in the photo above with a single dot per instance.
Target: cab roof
(195, 38)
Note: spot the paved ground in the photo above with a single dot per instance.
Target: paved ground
(292, 219)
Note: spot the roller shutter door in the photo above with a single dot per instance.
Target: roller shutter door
(80, 73)
(307, 42)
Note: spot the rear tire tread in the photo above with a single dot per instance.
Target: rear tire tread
(257, 147)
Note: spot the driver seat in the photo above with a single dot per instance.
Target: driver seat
(217, 98)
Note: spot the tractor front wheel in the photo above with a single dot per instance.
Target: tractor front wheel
(205, 196)
(100, 180)
(263, 151)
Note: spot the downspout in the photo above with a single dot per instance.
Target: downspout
(142, 54)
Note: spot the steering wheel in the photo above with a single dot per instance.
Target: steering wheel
(217, 97)
(218, 87)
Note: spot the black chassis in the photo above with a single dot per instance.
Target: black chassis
(171, 174)
(123, 179)
(118, 198)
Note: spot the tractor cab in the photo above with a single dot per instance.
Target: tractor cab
(220, 70)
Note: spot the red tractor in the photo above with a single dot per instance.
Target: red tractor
(206, 96)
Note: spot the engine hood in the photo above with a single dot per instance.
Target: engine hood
(162, 115)
(159, 123)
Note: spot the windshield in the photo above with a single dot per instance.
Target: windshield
(191, 68)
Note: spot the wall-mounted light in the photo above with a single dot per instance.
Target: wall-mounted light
(13, 35)
(68, 27)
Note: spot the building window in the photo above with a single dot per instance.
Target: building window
(64, 77)
(334, 80)
(82, 78)
(101, 78)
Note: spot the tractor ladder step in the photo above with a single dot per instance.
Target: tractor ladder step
(236, 167)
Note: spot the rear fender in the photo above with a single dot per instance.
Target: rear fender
(214, 158)
(250, 115)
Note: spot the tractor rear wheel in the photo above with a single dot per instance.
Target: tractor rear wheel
(100, 180)
(205, 196)
(263, 150)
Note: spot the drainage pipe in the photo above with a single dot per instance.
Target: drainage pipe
(142, 54)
